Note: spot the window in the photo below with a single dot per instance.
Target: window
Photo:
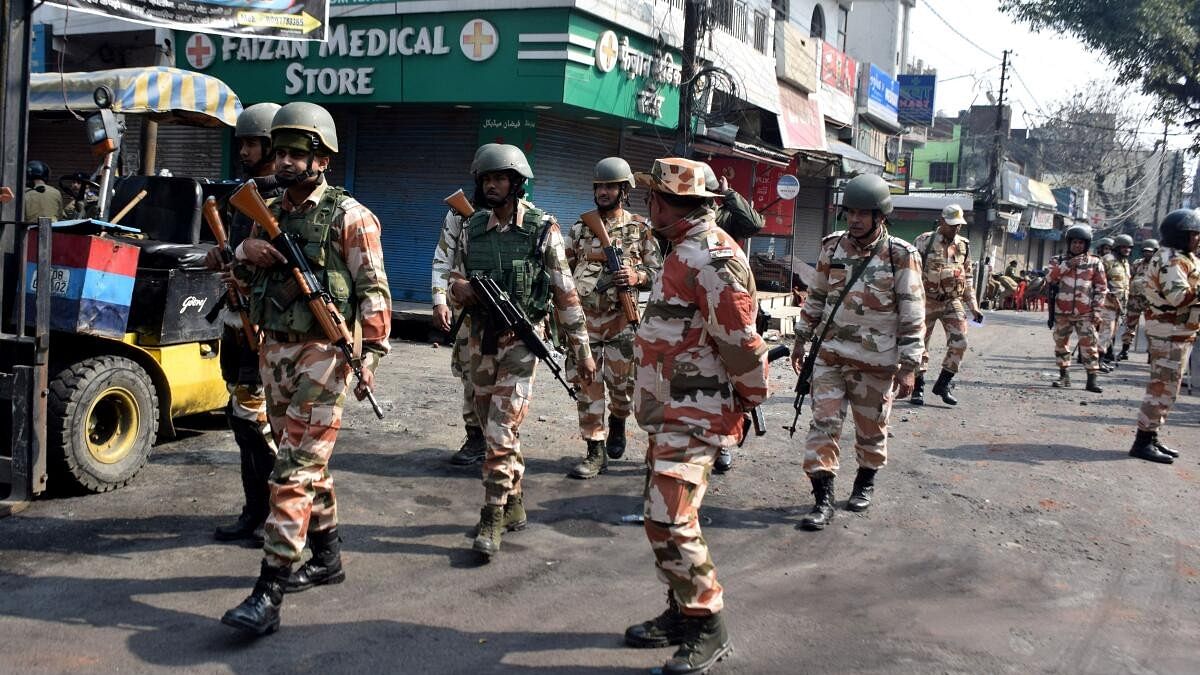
(781, 9)
(733, 16)
(843, 23)
(817, 28)
(761, 42)
(941, 172)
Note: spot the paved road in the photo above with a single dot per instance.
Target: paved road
(1010, 534)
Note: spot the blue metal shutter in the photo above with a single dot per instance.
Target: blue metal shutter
(405, 162)
(564, 155)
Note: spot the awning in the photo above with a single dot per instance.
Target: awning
(934, 201)
(169, 94)
(1042, 195)
(741, 150)
(855, 160)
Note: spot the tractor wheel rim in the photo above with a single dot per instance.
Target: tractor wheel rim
(112, 424)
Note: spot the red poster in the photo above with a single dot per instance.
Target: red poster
(778, 214)
(739, 173)
(838, 70)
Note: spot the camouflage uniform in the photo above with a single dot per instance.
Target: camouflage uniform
(1171, 289)
(948, 276)
(877, 332)
(443, 265)
(700, 363)
(43, 201)
(609, 334)
(1116, 272)
(1136, 304)
(503, 381)
(305, 376)
(1082, 287)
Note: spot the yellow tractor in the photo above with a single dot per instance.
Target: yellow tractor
(99, 362)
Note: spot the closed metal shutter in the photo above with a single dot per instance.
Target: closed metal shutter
(809, 226)
(566, 151)
(405, 162)
(194, 152)
(62, 143)
(640, 152)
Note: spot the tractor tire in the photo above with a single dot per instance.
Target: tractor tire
(103, 419)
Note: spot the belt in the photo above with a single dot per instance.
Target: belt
(596, 257)
(285, 336)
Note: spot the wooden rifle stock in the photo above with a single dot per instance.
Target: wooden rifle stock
(461, 205)
(627, 295)
(233, 294)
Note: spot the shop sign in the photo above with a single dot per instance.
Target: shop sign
(839, 73)
(916, 100)
(277, 19)
(511, 127)
(657, 70)
(778, 213)
(883, 96)
(625, 75)
(800, 123)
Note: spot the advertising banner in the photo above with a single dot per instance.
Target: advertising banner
(778, 214)
(801, 126)
(277, 19)
(916, 100)
(836, 89)
(883, 97)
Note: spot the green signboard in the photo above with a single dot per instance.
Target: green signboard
(488, 58)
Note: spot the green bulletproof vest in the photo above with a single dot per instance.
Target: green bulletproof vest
(276, 303)
(512, 259)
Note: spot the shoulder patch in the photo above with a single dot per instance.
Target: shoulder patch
(720, 253)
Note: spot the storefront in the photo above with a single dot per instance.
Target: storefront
(414, 95)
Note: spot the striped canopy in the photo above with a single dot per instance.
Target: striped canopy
(168, 94)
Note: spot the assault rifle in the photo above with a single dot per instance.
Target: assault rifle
(247, 200)
(754, 417)
(1052, 298)
(502, 316)
(459, 203)
(613, 262)
(233, 293)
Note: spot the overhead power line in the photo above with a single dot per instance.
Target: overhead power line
(958, 32)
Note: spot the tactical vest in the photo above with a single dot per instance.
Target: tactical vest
(275, 301)
(513, 259)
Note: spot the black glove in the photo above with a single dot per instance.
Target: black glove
(1050, 322)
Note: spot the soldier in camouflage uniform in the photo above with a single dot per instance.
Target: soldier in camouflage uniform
(1137, 303)
(1078, 285)
(304, 374)
(521, 248)
(474, 448)
(700, 366)
(1104, 247)
(874, 343)
(949, 290)
(609, 333)
(1116, 272)
(247, 408)
(1171, 287)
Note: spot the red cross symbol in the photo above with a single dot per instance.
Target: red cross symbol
(478, 39)
(199, 51)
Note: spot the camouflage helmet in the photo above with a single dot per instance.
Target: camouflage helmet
(309, 120)
(867, 192)
(613, 170)
(1123, 241)
(37, 170)
(479, 151)
(1176, 226)
(501, 157)
(710, 179)
(1104, 241)
(675, 176)
(1082, 232)
(255, 121)
(1150, 245)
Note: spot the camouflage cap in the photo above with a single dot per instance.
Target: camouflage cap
(676, 176)
(953, 215)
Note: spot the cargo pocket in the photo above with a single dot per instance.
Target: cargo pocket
(675, 491)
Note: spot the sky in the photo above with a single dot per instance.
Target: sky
(1048, 66)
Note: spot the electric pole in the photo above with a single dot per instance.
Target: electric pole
(994, 179)
(692, 10)
(1161, 165)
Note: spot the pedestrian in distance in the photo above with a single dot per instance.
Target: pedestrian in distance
(1171, 288)
(304, 374)
(948, 277)
(869, 299)
(1078, 287)
(520, 248)
(609, 300)
(701, 366)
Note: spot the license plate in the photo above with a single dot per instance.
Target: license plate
(60, 279)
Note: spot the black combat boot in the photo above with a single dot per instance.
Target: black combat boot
(661, 631)
(325, 565)
(473, 450)
(1144, 448)
(942, 387)
(259, 613)
(594, 464)
(705, 642)
(918, 395)
(615, 445)
(724, 461)
(257, 459)
(514, 512)
(247, 527)
(822, 510)
(1063, 381)
(1091, 383)
(864, 488)
(1124, 355)
(489, 530)
(1108, 355)
(1164, 449)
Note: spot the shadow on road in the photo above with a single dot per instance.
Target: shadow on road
(1028, 454)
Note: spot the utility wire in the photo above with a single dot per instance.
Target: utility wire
(959, 33)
